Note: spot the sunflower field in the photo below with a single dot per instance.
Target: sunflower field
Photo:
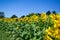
(35, 27)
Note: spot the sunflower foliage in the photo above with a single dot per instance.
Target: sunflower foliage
(26, 28)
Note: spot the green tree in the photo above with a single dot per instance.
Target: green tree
(30, 14)
(38, 14)
(14, 16)
(22, 16)
(48, 12)
(54, 12)
(2, 15)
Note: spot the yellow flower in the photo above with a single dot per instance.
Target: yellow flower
(53, 16)
(25, 19)
(55, 25)
(18, 19)
(48, 38)
(58, 16)
(58, 36)
(11, 20)
(21, 19)
(57, 33)
(34, 18)
(43, 17)
(4, 19)
(55, 21)
(30, 20)
(49, 31)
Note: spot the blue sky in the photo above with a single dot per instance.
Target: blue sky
(24, 7)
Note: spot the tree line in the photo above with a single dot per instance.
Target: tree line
(14, 16)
